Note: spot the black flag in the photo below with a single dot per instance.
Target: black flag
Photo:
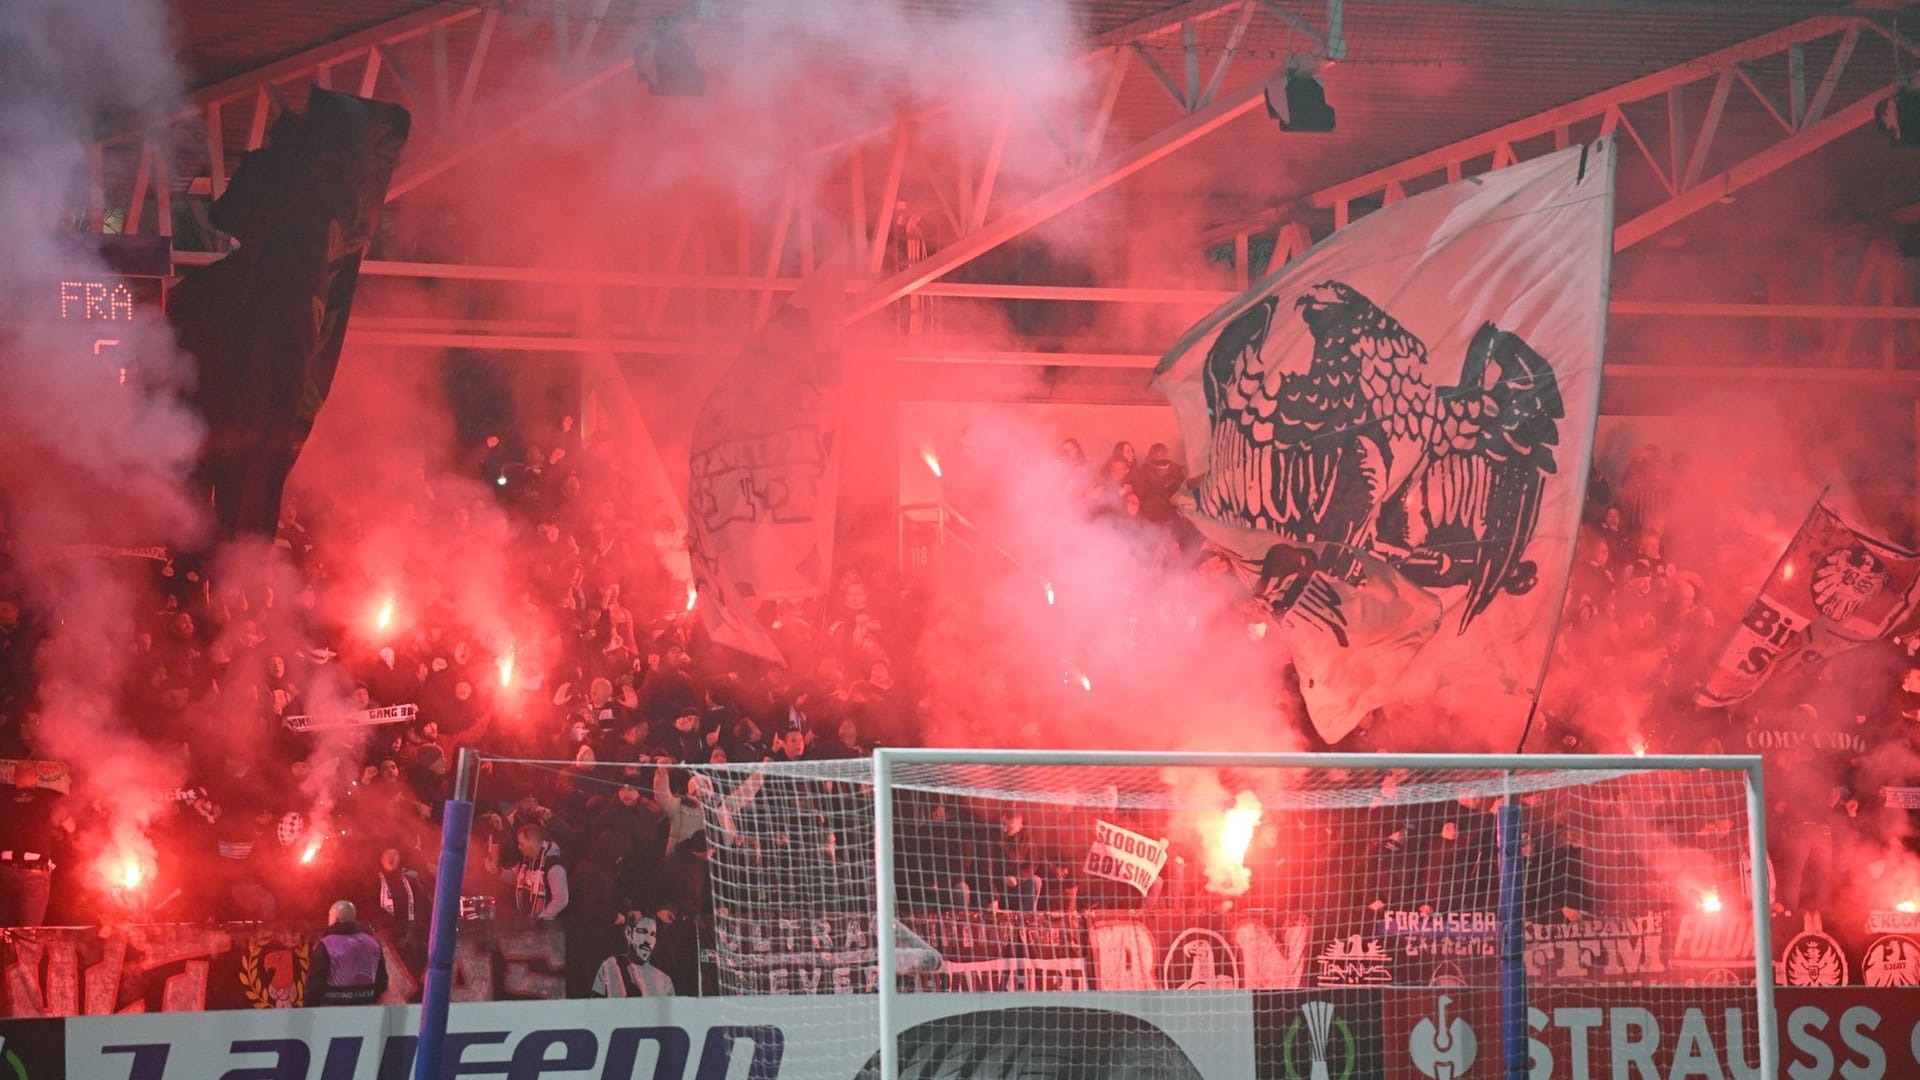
(265, 324)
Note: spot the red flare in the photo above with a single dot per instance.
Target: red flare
(1227, 871)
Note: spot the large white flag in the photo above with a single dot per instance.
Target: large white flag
(1392, 434)
(765, 465)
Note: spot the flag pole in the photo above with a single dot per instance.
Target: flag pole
(1612, 145)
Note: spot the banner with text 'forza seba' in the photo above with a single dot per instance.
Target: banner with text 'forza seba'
(1391, 434)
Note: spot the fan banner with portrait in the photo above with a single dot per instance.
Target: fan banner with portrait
(1390, 435)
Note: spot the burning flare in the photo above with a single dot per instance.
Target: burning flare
(693, 596)
(505, 664)
(312, 849)
(1907, 907)
(124, 871)
(1710, 901)
(1049, 593)
(384, 620)
(933, 463)
(1227, 872)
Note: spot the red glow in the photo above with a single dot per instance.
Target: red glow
(123, 871)
(1227, 871)
(1786, 571)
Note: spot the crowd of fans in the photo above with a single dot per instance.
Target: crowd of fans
(611, 683)
(608, 676)
(1654, 595)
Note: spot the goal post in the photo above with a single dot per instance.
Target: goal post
(1357, 915)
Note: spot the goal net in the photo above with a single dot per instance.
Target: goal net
(1322, 918)
(992, 914)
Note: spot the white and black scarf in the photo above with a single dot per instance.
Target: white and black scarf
(386, 893)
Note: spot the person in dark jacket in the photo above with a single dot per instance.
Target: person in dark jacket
(348, 966)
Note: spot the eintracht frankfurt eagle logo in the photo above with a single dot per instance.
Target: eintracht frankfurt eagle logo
(1846, 578)
(1361, 450)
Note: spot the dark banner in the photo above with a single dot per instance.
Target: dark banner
(1211, 949)
(266, 323)
(831, 954)
(986, 951)
(102, 970)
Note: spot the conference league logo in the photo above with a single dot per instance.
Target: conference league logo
(1299, 1035)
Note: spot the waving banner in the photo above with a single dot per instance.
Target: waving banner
(1391, 434)
(765, 469)
(1836, 586)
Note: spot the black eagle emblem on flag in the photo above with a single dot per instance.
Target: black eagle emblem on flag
(1362, 450)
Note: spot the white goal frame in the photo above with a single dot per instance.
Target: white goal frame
(886, 901)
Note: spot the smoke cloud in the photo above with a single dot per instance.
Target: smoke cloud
(84, 460)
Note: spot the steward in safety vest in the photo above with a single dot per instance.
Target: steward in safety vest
(348, 966)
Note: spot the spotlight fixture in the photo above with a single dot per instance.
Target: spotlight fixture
(676, 72)
(1899, 117)
(1299, 103)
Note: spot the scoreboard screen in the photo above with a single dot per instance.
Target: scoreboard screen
(105, 300)
(102, 306)
(116, 288)
(108, 280)
(99, 316)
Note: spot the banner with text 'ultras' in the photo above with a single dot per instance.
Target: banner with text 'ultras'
(1390, 435)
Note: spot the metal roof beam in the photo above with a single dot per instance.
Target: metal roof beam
(1074, 191)
(1680, 171)
(310, 61)
(1749, 171)
(1196, 11)
(1587, 108)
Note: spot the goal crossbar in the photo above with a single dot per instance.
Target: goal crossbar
(887, 762)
